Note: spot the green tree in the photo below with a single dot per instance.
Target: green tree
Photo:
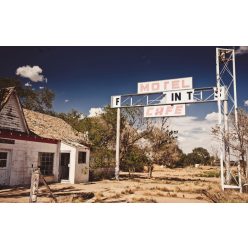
(135, 160)
(40, 100)
(163, 143)
(202, 155)
(199, 155)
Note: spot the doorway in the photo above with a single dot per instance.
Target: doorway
(64, 165)
(4, 170)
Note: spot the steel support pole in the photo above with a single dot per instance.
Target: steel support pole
(221, 145)
(236, 109)
(117, 154)
(246, 172)
(235, 90)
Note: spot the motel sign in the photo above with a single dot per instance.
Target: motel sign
(165, 85)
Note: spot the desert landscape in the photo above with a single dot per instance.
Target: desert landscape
(180, 185)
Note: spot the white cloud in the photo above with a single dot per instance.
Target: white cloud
(66, 100)
(246, 103)
(193, 132)
(242, 50)
(33, 73)
(95, 112)
(82, 116)
(212, 117)
(28, 84)
(41, 87)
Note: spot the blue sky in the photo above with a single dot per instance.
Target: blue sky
(88, 76)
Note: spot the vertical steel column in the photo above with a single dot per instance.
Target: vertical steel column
(236, 108)
(246, 172)
(235, 89)
(221, 146)
(117, 154)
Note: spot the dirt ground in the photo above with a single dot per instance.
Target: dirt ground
(181, 185)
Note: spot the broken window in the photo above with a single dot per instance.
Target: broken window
(46, 161)
(82, 157)
(3, 159)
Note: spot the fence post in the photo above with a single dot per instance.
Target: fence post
(34, 185)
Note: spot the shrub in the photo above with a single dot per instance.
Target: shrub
(210, 174)
(101, 173)
(134, 160)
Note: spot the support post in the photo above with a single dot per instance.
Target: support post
(221, 145)
(246, 172)
(34, 185)
(235, 89)
(117, 155)
(236, 109)
(239, 175)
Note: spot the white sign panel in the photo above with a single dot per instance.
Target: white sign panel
(115, 101)
(222, 94)
(182, 96)
(165, 110)
(165, 85)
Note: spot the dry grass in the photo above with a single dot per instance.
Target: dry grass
(167, 185)
(99, 195)
(164, 189)
(116, 196)
(127, 192)
(143, 200)
(171, 194)
(209, 174)
(160, 194)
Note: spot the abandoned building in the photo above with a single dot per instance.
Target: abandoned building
(30, 139)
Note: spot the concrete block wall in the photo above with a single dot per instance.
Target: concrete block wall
(24, 154)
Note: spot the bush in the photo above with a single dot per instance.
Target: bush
(134, 160)
(101, 173)
(132, 168)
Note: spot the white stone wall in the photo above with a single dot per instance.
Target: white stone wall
(11, 116)
(24, 154)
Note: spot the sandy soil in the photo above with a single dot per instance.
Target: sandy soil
(192, 185)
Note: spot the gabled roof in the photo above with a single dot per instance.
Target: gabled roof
(51, 127)
(44, 126)
(5, 94)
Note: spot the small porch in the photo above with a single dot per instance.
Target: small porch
(74, 163)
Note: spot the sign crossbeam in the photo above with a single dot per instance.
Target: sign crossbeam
(199, 95)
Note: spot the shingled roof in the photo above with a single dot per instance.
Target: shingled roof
(5, 93)
(51, 127)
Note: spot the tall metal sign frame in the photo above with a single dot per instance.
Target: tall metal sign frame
(227, 109)
(224, 93)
